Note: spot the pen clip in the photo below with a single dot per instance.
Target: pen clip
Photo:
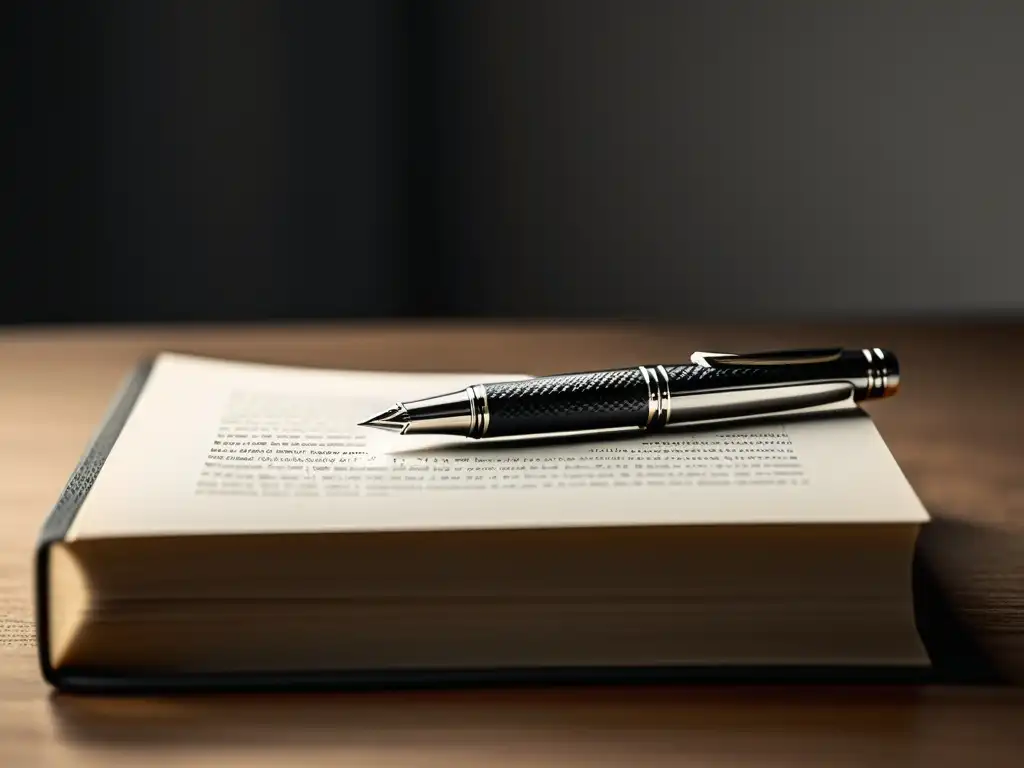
(702, 358)
(787, 357)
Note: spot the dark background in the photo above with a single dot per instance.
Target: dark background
(692, 160)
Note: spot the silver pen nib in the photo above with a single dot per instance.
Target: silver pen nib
(463, 413)
(394, 419)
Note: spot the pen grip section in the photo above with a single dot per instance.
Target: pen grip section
(566, 403)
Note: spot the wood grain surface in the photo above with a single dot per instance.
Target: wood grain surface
(955, 428)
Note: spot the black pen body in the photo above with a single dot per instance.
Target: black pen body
(716, 387)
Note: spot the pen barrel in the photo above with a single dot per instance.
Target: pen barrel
(652, 396)
(627, 397)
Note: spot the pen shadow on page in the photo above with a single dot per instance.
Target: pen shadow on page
(628, 435)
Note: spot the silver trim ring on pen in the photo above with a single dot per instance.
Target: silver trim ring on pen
(474, 413)
(659, 401)
(877, 378)
(667, 396)
(885, 370)
(482, 421)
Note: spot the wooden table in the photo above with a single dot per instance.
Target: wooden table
(955, 429)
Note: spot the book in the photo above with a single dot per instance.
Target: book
(231, 523)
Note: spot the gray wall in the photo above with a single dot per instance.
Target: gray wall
(789, 157)
(698, 159)
(191, 160)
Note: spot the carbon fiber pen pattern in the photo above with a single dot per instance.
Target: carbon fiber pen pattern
(598, 400)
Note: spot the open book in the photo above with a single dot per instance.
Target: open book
(232, 522)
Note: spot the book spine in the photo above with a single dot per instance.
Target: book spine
(59, 520)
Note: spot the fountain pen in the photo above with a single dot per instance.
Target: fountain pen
(712, 387)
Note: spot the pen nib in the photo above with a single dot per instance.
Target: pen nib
(394, 419)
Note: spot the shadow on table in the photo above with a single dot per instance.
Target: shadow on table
(969, 600)
(491, 715)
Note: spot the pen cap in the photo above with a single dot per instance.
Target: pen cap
(873, 372)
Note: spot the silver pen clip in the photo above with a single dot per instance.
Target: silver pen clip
(788, 357)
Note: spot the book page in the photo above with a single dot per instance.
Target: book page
(221, 447)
